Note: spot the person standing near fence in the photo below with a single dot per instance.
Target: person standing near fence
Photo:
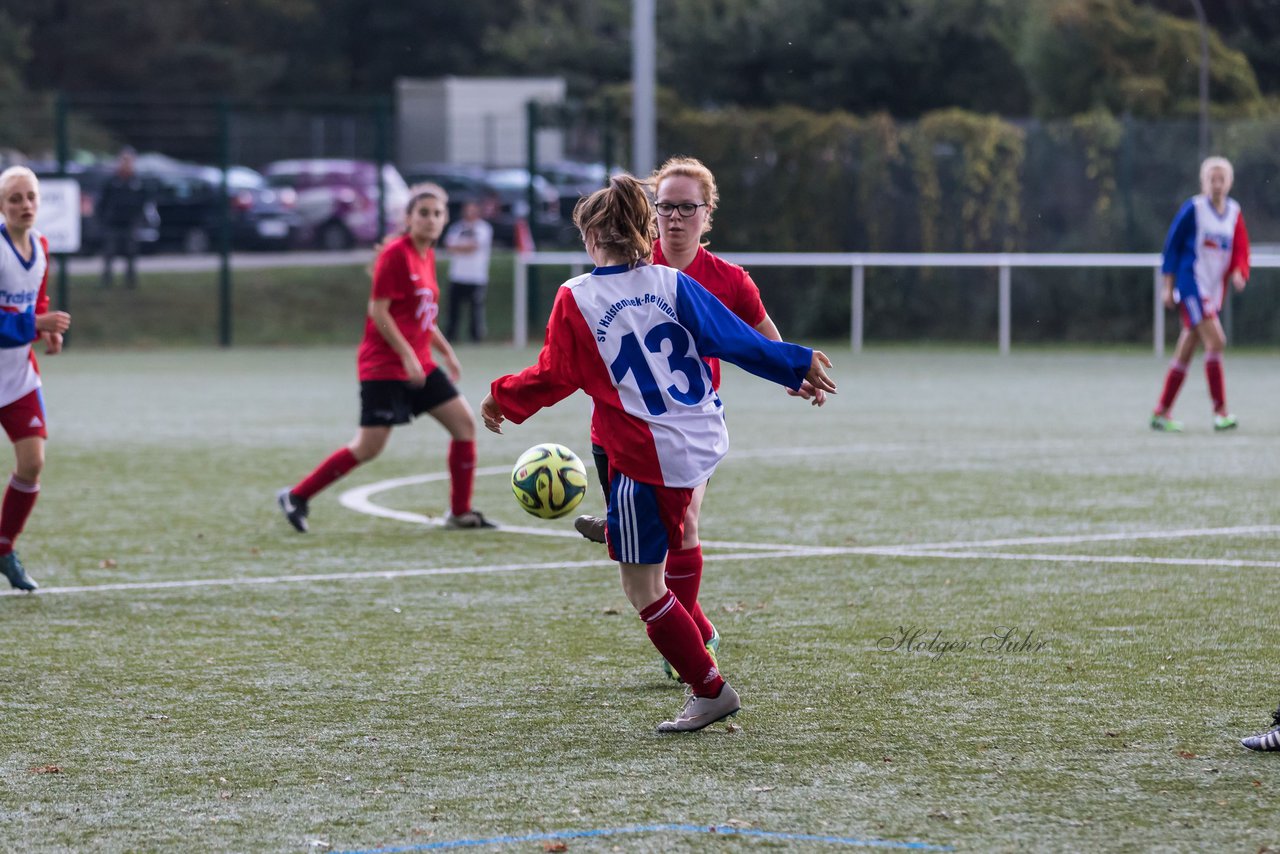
(468, 242)
(1207, 247)
(632, 336)
(24, 318)
(122, 209)
(686, 198)
(399, 379)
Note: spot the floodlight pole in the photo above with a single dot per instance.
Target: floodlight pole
(1204, 78)
(644, 132)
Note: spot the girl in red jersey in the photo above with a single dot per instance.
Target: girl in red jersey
(24, 318)
(399, 380)
(686, 197)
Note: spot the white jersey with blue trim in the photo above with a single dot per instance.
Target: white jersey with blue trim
(20, 284)
(1198, 250)
(652, 327)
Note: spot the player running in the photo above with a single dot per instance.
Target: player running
(399, 380)
(633, 335)
(24, 318)
(1207, 247)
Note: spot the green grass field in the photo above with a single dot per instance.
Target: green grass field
(194, 676)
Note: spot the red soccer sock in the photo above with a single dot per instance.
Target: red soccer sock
(338, 464)
(684, 578)
(1172, 383)
(674, 633)
(1217, 386)
(19, 499)
(462, 475)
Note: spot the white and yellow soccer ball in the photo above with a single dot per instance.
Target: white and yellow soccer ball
(549, 480)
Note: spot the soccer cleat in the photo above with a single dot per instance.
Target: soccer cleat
(1165, 424)
(16, 572)
(1269, 741)
(1225, 422)
(591, 527)
(701, 712)
(713, 647)
(294, 509)
(469, 520)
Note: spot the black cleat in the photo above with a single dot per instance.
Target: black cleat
(591, 527)
(472, 519)
(294, 509)
(1268, 741)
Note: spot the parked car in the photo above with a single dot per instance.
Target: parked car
(188, 200)
(338, 199)
(503, 195)
(573, 180)
(463, 184)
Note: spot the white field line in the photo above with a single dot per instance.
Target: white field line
(1223, 563)
(386, 574)
(1243, 530)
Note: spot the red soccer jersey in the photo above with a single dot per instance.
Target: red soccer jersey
(408, 280)
(728, 283)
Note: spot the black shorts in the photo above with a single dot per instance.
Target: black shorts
(385, 403)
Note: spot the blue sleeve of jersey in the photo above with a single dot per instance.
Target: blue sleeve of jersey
(17, 328)
(720, 333)
(1181, 233)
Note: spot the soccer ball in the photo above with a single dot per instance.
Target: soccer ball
(549, 480)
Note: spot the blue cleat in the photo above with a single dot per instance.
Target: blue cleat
(16, 572)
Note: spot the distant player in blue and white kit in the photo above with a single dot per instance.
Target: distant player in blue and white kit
(1207, 247)
(24, 318)
(633, 336)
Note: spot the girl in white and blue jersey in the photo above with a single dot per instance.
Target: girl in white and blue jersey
(24, 318)
(633, 336)
(1207, 247)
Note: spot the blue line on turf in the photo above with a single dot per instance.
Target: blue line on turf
(724, 830)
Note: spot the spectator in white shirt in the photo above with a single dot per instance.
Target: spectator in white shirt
(468, 242)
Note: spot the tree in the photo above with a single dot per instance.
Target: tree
(1113, 54)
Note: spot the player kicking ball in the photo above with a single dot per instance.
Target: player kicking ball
(633, 336)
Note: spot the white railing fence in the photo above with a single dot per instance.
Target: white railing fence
(858, 262)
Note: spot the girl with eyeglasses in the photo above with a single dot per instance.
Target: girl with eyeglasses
(633, 336)
(686, 198)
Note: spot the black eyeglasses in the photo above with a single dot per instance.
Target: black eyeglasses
(687, 209)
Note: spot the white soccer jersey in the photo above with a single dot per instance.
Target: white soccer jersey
(634, 340)
(22, 294)
(1203, 247)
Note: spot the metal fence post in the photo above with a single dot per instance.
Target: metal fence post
(1005, 310)
(520, 303)
(858, 308)
(64, 154)
(382, 147)
(224, 226)
(1158, 318)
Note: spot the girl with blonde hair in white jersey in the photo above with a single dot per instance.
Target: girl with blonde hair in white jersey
(1207, 247)
(24, 318)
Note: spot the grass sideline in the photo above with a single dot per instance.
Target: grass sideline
(366, 712)
(272, 307)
